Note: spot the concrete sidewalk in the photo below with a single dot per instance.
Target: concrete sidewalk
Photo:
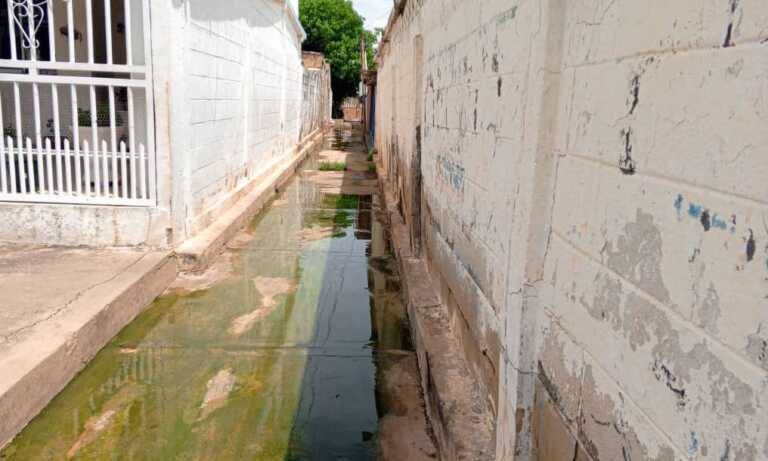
(59, 307)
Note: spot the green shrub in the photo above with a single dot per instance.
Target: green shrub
(102, 117)
(9, 132)
(332, 166)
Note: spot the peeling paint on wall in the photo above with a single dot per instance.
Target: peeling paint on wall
(655, 330)
(757, 346)
(637, 255)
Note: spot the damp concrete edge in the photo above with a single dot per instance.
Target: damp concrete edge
(459, 415)
(197, 253)
(57, 349)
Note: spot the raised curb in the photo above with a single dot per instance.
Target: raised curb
(197, 253)
(64, 345)
(459, 415)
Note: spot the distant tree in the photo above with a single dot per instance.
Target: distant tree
(334, 28)
(371, 39)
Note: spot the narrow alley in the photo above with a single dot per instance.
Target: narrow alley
(306, 357)
(390, 230)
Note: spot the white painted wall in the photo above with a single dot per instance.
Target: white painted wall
(617, 318)
(228, 85)
(232, 74)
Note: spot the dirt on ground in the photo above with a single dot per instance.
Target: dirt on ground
(403, 430)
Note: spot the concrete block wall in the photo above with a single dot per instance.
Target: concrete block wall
(236, 75)
(316, 93)
(230, 106)
(592, 203)
(664, 134)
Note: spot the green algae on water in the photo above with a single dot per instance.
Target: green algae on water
(299, 381)
(341, 201)
(339, 219)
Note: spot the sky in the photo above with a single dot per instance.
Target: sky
(375, 12)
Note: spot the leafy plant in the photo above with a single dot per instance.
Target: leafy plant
(52, 134)
(372, 168)
(332, 166)
(337, 220)
(334, 28)
(102, 117)
(341, 201)
(9, 132)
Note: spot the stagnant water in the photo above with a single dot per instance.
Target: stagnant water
(269, 356)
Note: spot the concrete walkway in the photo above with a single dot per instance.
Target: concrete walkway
(59, 307)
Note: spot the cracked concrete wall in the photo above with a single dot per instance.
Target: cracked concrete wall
(594, 210)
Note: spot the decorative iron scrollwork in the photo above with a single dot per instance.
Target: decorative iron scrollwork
(26, 12)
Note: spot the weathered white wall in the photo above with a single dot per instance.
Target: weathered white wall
(316, 93)
(666, 317)
(234, 82)
(594, 211)
(230, 107)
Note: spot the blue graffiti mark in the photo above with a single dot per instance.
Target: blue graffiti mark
(694, 211)
(679, 207)
(453, 172)
(693, 445)
(719, 223)
(705, 216)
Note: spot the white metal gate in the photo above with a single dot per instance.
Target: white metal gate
(76, 102)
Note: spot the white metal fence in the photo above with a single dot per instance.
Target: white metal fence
(76, 102)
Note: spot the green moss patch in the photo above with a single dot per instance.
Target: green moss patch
(341, 201)
(332, 166)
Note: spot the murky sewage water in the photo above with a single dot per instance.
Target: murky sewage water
(271, 355)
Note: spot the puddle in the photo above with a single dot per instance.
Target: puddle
(270, 355)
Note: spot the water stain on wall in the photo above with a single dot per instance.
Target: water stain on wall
(637, 256)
